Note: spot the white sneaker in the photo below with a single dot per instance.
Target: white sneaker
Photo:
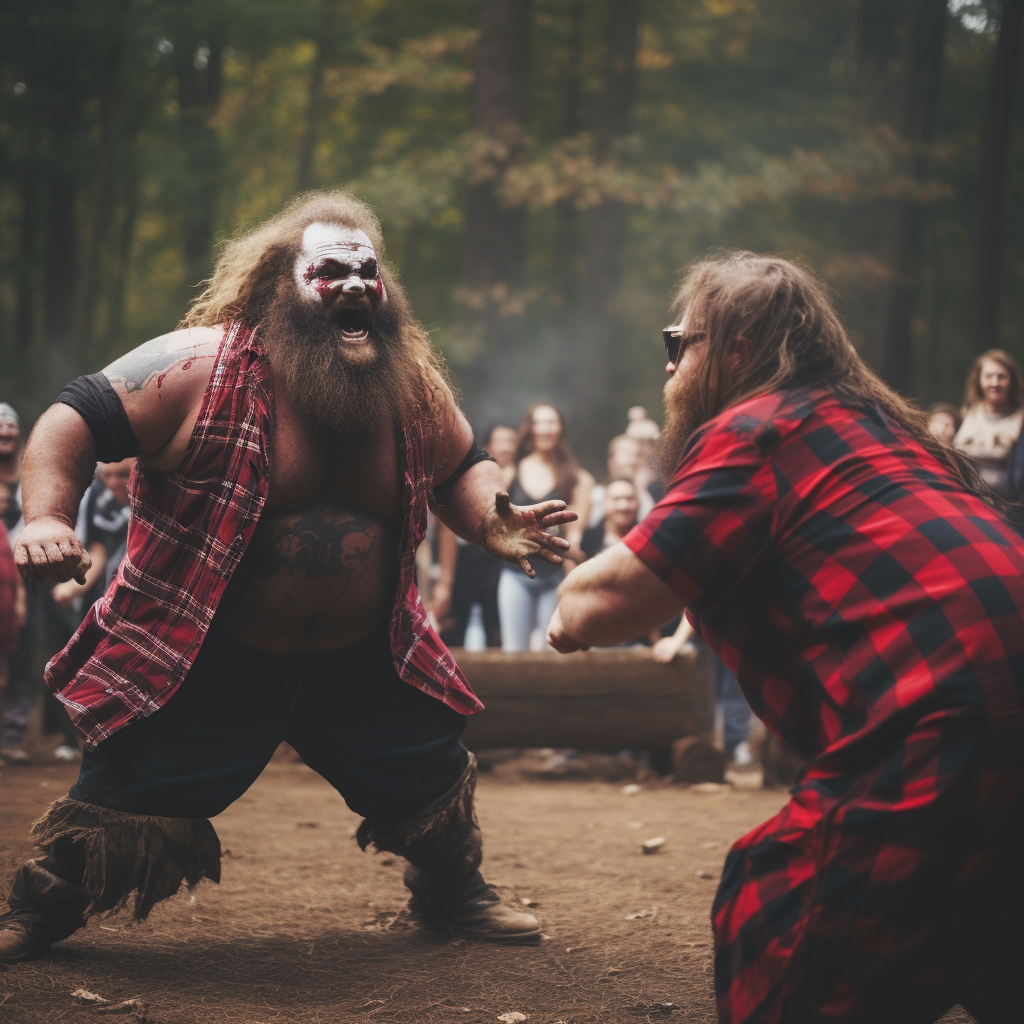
(742, 756)
(66, 752)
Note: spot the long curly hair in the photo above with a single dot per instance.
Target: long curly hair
(249, 266)
(567, 469)
(796, 341)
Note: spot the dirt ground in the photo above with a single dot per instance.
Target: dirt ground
(306, 928)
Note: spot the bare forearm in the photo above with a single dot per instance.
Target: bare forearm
(60, 460)
(612, 598)
(463, 506)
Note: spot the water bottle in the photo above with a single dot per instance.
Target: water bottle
(476, 635)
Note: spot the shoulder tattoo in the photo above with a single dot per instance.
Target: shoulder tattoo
(140, 367)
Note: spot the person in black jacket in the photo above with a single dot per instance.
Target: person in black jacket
(622, 505)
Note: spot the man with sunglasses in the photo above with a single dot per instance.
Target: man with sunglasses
(868, 593)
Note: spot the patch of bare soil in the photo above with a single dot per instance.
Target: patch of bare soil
(306, 928)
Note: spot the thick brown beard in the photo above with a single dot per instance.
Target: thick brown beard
(306, 354)
(685, 412)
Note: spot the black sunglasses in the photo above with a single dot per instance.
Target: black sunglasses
(676, 341)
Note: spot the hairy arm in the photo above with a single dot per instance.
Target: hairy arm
(161, 385)
(477, 507)
(609, 599)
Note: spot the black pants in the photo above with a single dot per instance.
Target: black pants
(476, 581)
(388, 748)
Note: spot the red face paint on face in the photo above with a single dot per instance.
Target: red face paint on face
(338, 265)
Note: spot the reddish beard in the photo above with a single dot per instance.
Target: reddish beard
(307, 353)
(686, 410)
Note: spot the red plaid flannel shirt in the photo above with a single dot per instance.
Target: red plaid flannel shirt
(188, 532)
(873, 612)
(850, 583)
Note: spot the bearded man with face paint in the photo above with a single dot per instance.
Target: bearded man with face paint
(290, 438)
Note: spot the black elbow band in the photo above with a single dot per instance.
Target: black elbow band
(95, 400)
(473, 456)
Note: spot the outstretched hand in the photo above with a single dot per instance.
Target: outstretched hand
(515, 532)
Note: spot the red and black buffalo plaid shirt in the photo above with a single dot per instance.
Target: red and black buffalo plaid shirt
(188, 532)
(845, 576)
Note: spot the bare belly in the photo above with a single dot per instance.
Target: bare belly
(312, 581)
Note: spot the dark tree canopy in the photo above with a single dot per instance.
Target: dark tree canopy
(543, 170)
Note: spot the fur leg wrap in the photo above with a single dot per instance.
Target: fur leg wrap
(442, 844)
(444, 849)
(96, 858)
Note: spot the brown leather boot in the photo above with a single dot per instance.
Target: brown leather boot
(444, 849)
(16, 945)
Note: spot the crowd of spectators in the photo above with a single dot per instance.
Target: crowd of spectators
(34, 625)
(475, 600)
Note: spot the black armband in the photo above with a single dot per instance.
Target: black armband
(473, 456)
(95, 400)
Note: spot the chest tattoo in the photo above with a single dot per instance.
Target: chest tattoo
(319, 543)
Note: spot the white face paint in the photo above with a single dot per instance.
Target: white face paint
(338, 267)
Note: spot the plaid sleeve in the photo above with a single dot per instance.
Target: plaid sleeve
(714, 525)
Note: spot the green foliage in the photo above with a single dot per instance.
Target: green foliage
(135, 134)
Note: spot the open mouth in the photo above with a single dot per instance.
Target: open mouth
(354, 322)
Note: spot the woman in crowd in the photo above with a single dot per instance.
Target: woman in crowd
(544, 469)
(993, 413)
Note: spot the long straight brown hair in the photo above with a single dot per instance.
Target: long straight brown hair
(567, 469)
(796, 341)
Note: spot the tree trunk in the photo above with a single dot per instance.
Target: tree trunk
(325, 46)
(198, 96)
(604, 240)
(565, 270)
(992, 177)
(123, 255)
(28, 260)
(919, 101)
(61, 256)
(877, 49)
(103, 174)
(495, 240)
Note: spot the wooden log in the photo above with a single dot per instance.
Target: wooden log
(603, 699)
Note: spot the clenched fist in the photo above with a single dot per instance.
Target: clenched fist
(48, 551)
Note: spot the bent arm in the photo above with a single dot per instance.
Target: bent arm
(60, 459)
(612, 598)
(161, 385)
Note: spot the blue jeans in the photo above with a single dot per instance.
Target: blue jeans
(524, 604)
(735, 712)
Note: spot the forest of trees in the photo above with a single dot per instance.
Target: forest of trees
(543, 169)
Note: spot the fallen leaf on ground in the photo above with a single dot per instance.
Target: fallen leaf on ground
(642, 913)
(83, 995)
